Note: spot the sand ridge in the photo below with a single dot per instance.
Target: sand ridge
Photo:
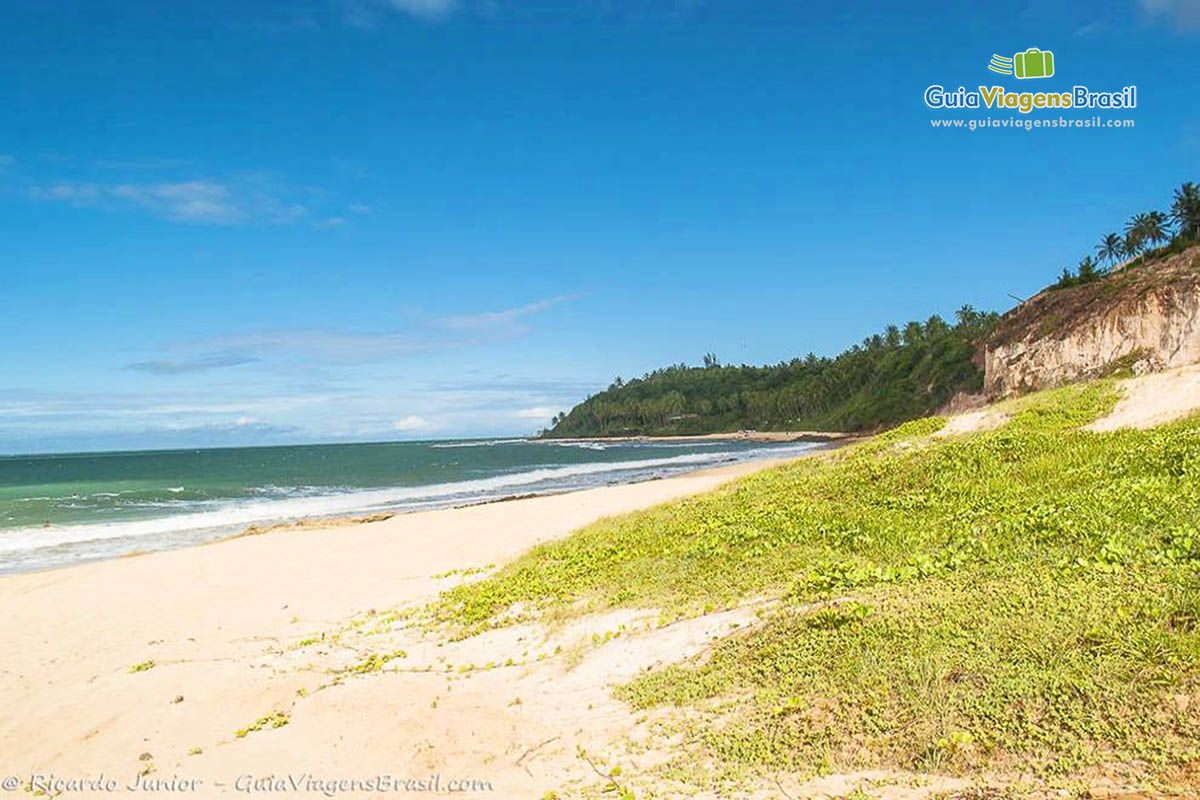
(1154, 399)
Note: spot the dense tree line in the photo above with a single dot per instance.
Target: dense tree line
(893, 376)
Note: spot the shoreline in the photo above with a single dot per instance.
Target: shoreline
(164, 654)
(350, 520)
(319, 521)
(735, 436)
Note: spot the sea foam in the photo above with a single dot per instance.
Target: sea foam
(235, 515)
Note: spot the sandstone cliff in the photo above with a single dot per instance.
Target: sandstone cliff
(1146, 318)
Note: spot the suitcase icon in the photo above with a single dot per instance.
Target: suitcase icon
(1033, 63)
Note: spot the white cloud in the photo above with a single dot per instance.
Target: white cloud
(425, 9)
(1185, 14)
(360, 208)
(538, 412)
(200, 201)
(230, 411)
(168, 366)
(68, 192)
(48, 406)
(141, 164)
(242, 425)
(6, 161)
(499, 319)
(413, 423)
(191, 201)
(342, 347)
(346, 347)
(369, 14)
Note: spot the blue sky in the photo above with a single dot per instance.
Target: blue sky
(331, 220)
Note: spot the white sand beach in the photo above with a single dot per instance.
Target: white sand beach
(223, 625)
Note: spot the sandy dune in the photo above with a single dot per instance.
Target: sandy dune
(984, 419)
(1146, 402)
(1154, 399)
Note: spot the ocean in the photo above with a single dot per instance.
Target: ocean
(63, 509)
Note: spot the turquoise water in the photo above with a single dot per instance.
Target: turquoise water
(62, 509)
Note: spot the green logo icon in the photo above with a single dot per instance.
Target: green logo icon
(1001, 64)
(1033, 63)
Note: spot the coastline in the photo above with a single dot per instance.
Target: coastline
(349, 520)
(233, 492)
(207, 620)
(735, 436)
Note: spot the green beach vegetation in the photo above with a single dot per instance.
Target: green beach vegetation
(891, 377)
(276, 719)
(1020, 601)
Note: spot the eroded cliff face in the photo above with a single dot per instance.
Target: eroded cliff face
(1146, 318)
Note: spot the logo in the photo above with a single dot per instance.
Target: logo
(1025, 65)
(1033, 63)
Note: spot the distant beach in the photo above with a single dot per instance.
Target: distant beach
(733, 436)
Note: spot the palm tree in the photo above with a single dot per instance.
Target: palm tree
(1156, 227)
(1135, 234)
(1148, 228)
(1111, 248)
(913, 333)
(1185, 210)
